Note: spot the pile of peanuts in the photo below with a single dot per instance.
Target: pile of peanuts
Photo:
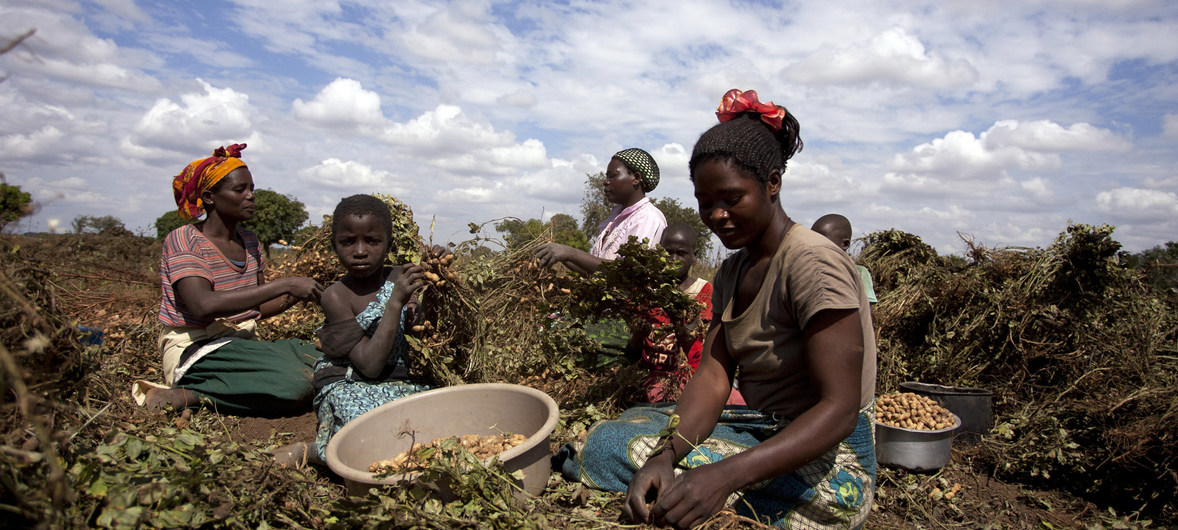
(911, 411)
(481, 446)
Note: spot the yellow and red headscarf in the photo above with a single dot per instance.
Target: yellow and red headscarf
(201, 175)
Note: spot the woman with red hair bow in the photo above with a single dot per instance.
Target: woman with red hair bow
(213, 292)
(791, 321)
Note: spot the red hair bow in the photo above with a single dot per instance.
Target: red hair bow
(734, 103)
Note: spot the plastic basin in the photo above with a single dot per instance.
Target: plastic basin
(483, 409)
(913, 449)
(971, 404)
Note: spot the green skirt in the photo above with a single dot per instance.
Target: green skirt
(255, 377)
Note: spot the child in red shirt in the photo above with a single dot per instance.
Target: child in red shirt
(672, 359)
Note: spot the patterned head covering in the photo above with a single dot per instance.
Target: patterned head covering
(642, 163)
(201, 175)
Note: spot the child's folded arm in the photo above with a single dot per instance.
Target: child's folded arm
(337, 339)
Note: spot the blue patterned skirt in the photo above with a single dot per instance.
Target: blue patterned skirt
(834, 491)
(342, 401)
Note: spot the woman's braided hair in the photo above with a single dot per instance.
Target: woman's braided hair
(749, 143)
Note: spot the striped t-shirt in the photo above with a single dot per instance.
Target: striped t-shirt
(187, 253)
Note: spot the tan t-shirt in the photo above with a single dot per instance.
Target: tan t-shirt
(806, 275)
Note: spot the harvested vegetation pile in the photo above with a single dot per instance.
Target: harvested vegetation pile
(43, 368)
(491, 320)
(1078, 351)
(497, 316)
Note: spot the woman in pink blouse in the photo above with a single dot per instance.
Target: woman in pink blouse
(630, 175)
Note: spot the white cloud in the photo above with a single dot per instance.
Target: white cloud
(441, 127)
(103, 75)
(529, 154)
(911, 183)
(288, 26)
(32, 145)
(350, 175)
(205, 51)
(1047, 136)
(892, 56)
(445, 138)
(962, 163)
(520, 98)
(1009, 234)
(125, 9)
(462, 37)
(471, 195)
(961, 158)
(218, 116)
(476, 110)
(1170, 126)
(75, 190)
(63, 49)
(1037, 187)
(1135, 204)
(547, 189)
(342, 103)
(814, 184)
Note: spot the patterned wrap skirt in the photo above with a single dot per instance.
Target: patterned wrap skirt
(342, 401)
(834, 491)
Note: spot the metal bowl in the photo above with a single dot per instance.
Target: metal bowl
(913, 449)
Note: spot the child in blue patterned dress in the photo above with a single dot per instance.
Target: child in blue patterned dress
(367, 313)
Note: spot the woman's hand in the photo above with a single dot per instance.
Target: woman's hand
(552, 253)
(693, 497)
(302, 288)
(575, 259)
(647, 485)
(412, 278)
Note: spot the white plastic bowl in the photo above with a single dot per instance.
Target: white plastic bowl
(484, 409)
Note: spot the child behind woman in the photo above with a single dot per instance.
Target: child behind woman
(662, 353)
(367, 313)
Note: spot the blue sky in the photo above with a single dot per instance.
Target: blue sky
(996, 121)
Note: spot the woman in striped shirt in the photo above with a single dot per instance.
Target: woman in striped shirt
(213, 292)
